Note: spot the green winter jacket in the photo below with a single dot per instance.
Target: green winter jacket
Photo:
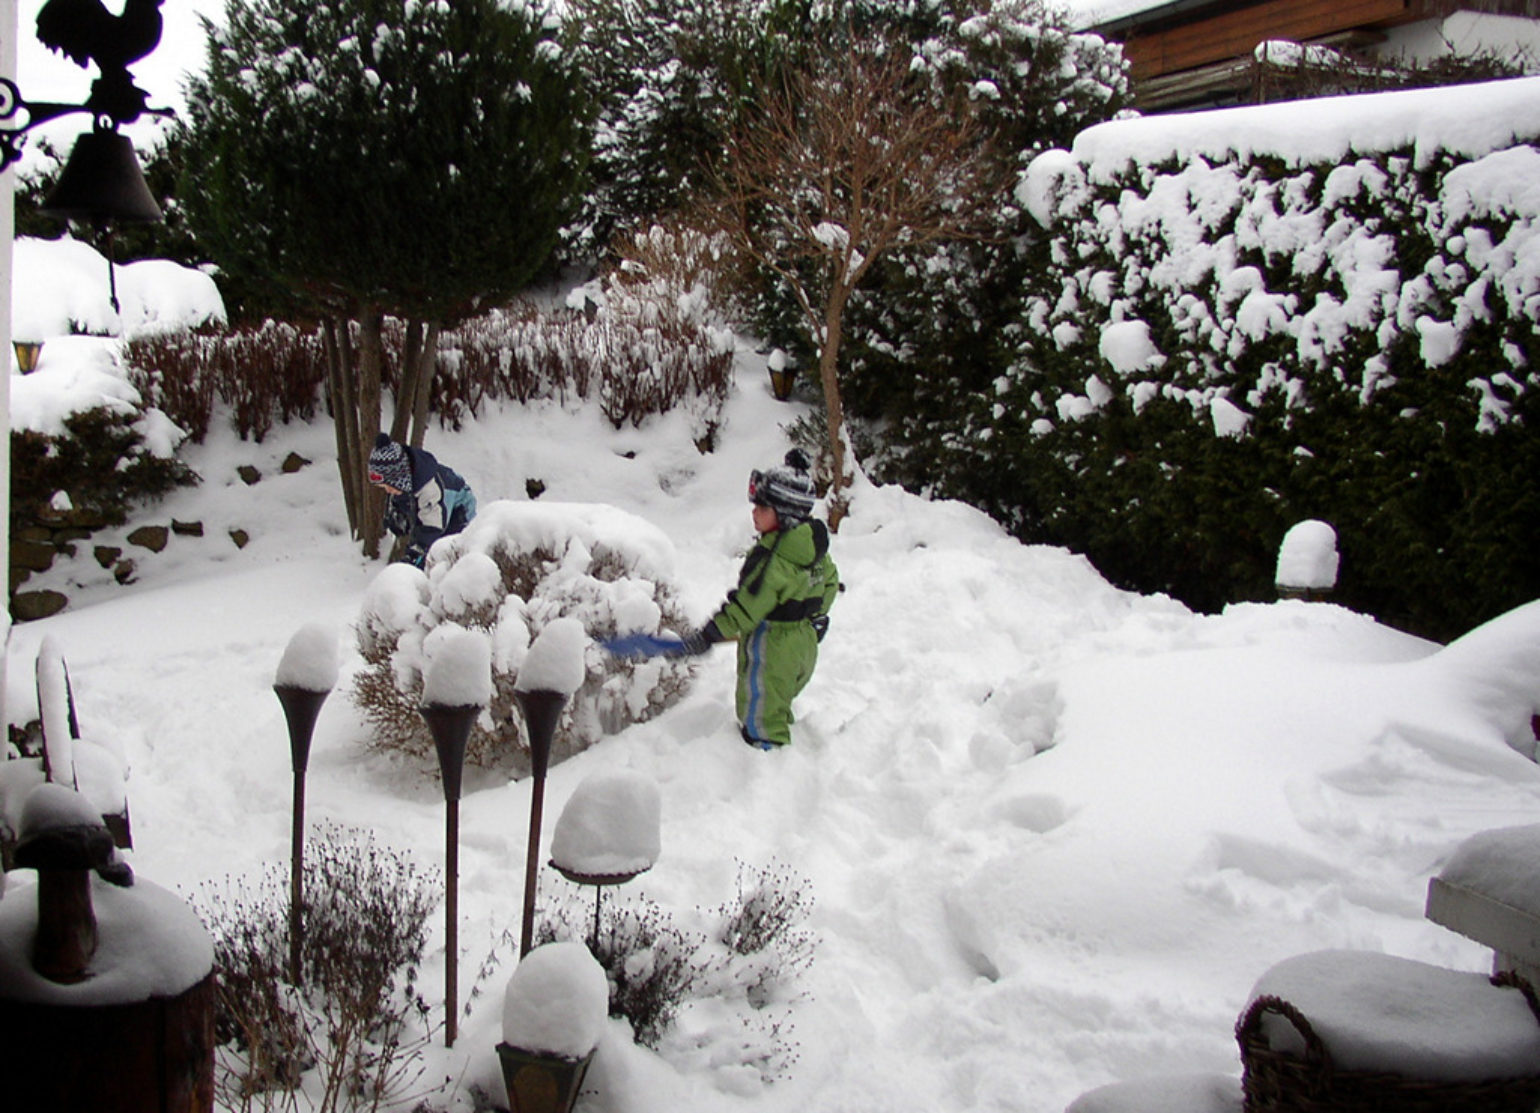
(787, 577)
(787, 580)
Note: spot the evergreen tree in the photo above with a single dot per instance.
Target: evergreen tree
(943, 324)
(378, 158)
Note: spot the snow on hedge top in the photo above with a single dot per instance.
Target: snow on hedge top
(460, 672)
(309, 661)
(1503, 864)
(62, 288)
(557, 1001)
(1376, 1012)
(1471, 120)
(556, 527)
(610, 825)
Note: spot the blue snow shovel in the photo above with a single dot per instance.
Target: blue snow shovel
(644, 645)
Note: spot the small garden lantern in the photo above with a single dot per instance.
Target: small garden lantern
(1307, 561)
(28, 352)
(457, 689)
(553, 1015)
(782, 375)
(306, 675)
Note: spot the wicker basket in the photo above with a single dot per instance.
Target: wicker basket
(1280, 1082)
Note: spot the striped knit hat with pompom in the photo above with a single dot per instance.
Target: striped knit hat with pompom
(788, 489)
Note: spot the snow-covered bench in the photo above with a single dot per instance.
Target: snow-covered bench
(1490, 892)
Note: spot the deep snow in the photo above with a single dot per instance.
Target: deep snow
(1055, 832)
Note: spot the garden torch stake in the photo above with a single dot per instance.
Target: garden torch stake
(541, 709)
(451, 728)
(301, 706)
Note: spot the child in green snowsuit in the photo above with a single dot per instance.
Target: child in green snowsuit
(779, 611)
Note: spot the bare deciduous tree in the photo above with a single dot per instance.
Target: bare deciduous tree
(855, 154)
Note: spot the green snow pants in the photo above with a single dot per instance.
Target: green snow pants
(775, 662)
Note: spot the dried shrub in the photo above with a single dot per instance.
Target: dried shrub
(633, 369)
(652, 965)
(745, 959)
(355, 1014)
(275, 371)
(493, 578)
(267, 372)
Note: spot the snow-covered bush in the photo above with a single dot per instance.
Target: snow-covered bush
(354, 1014)
(1241, 319)
(635, 368)
(105, 460)
(515, 569)
(676, 983)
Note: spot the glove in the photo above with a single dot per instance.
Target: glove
(699, 640)
(395, 521)
(820, 624)
(415, 555)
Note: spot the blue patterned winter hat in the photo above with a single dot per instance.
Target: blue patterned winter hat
(388, 464)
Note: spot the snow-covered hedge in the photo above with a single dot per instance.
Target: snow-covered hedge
(1324, 309)
(518, 567)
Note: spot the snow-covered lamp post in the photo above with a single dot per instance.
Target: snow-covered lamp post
(1307, 561)
(552, 671)
(456, 690)
(553, 1015)
(307, 673)
(608, 833)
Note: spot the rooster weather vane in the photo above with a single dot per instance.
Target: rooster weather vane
(86, 32)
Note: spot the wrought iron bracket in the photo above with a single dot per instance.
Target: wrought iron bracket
(111, 103)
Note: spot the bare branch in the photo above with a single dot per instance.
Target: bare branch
(856, 155)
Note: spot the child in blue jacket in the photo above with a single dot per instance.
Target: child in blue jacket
(426, 499)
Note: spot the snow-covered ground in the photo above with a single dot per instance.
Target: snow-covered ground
(1054, 831)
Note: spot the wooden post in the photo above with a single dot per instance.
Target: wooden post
(66, 925)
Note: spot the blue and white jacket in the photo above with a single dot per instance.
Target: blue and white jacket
(439, 503)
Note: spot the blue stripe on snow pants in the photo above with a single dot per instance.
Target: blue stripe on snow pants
(775, 662)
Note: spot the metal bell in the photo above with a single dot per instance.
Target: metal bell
(102, 182)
